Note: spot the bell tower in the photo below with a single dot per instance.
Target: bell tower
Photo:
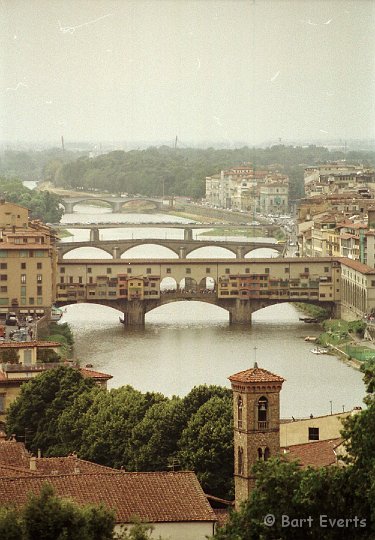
(256, 416)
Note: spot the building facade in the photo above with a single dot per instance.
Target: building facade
(28, 262)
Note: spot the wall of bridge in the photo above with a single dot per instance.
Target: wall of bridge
(288, 280)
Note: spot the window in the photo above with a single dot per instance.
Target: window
(39, 278)
(31, 300)
(23, 278)
(313, 434)
(91, 279)
(24, 253)
(39, 290)
(80, 279)
(266, 270)
(62, 270)
(240, 460)
(266, 453)
(71, 279)
(3, 266)
(89, 270)
(23, 266)
(239, 411)
(326, 269)
(262, 413)
(247, 270)
(306, 270)
(188, 270)
(148, 270)
(3, 253)
(62, 279)
(4, 301)
(23, 290)
(109, 270)
(2, 402)
(169, 271)
(208, 270)
(227, 270)
(3, 277)
(129, 270)
(286, 270)
(4, 288)
(39, 266)
(38, 253)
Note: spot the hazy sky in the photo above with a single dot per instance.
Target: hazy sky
(217, 70)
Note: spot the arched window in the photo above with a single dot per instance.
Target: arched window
(239, 411)
(263, 413)
(240, 460)
(260, 454)
(266, 454)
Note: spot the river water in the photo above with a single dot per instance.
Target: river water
(184, 344)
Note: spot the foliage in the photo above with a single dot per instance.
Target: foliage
(48, 517)
(313, 310)
(182, 171)
(61, 333)
(33, 416)
(206, 446)
(41, 204)
(9, 356)
(137, 531)
(47, 355)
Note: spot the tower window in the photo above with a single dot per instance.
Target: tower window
(266, 453)
(263, 413)
(239, 411)
(240, 461)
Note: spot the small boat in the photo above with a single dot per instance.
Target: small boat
(308, 319)
(310, 338)
(319, 350)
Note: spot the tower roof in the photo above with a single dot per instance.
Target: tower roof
(255, 375)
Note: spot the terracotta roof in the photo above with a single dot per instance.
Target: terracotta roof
(255, 375)
(94, 374)
(153, 497)
(313, 454)
(8, 470)
(356, 265)
(222, 516)
(69, 465)
(14, 454)
(28, 344)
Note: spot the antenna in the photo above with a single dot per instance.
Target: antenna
(62, 143)
(255, 357)
(175, 143)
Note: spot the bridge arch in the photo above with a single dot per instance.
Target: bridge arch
(217, 252)
(86, 253)
(253, 250)
(131, 252)
(69, 205)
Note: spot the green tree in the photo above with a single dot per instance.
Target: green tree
(41, 401)
(48, 517)
(206, 446)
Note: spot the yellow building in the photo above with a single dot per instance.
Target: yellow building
(28, 262)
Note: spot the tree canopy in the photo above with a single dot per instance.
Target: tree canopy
(48, 517)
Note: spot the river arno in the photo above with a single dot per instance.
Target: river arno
(185, 344)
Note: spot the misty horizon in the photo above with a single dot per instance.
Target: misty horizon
(223, 73)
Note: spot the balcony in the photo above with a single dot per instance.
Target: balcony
(263, 425)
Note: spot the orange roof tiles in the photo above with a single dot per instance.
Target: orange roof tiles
(153, 497)
(94, 374)
(69, 465)
(14, 454)
(255, 375)
(313, 454)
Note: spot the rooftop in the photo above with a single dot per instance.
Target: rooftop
(255, 375)
(153, 497)
(314, 454)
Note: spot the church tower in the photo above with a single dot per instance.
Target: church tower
(256, 417)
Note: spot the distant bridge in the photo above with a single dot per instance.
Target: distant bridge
(118, 204)
(181, 247)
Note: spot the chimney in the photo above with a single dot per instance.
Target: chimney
(76, 470)
(33, 463)
(39, 453)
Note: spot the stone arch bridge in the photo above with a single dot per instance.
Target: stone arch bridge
(240, 286)
(118, 204)
(181, 247)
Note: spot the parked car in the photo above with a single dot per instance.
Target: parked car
(11, 319)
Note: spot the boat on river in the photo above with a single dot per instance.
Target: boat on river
(308, 319)
(56, 314)
(311, 338)
(319, 350)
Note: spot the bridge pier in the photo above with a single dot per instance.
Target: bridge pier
(68, 207)
(134, 314)
(240, 252)
(182, 253)
(117, 206)
(94, 235)
(188, 234)
(240, 312)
